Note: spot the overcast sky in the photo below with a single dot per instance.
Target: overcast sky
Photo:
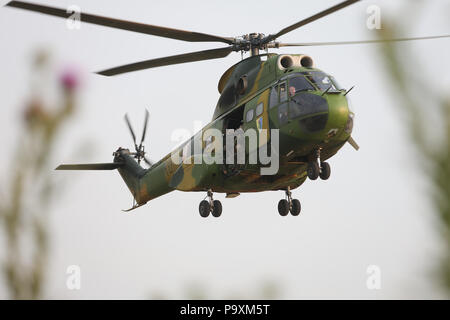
(372, 211)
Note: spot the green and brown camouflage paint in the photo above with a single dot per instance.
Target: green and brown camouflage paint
(245, 85)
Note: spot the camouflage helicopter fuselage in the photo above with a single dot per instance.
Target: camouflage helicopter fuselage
(313, 119)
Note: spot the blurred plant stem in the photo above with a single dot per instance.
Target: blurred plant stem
(30, 189)
(427, 115)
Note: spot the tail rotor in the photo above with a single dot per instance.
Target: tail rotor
(139, 153)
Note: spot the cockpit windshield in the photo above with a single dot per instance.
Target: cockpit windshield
(336, 84)
(321, 80)
(298, 84)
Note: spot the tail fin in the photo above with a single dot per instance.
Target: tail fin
(130, 171)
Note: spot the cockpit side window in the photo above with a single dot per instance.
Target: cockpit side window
(283, 113)
(283, 92)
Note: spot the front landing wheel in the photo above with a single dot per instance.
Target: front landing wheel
(295, 207)
(313, 170)
(325, 171)
(204, 208)
(283, 207)
(217, 208)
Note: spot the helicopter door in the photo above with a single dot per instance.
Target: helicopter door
(250, 129)
(278, 100)
(233, 121)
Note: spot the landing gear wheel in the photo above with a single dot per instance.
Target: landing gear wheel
(283, 207)
(325, 170)
(295, 207)
(217, 208)
(313, 170)
(204, 208)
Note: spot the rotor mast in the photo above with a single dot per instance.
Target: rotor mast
(254, 41)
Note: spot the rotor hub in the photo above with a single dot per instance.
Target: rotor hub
(250, 42)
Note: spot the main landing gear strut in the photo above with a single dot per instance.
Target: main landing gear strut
(289, 205)
(210, 206)
(315, 170)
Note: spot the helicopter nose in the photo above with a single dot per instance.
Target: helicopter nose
(339, 114)
(321, 116)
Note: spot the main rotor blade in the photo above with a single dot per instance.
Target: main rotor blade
(123, 24)
(145, 126)
(309, 19)
(90, 166)
(131, 129)
(333, 43)
(165, 61)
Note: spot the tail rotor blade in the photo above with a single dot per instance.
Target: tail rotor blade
(127, 120)
(147, 161)
(145, 126)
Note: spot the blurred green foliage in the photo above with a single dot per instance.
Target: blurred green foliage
(426, 112)
(29, 188)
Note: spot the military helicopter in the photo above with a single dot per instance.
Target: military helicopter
(305, 106)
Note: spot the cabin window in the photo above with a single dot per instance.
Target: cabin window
(249, 115)
(259, 109)
(283, 113)
(283, 92)
(274, 97)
